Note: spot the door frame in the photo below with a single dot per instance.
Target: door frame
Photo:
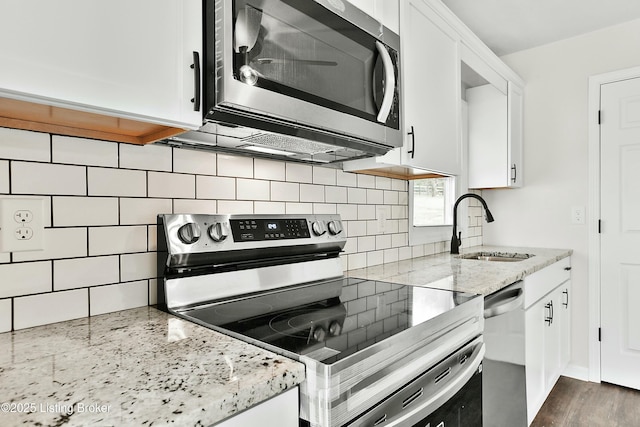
(593, 212)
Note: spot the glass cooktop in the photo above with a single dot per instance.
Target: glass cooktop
(331, 320)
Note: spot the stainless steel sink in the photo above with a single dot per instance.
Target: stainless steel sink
(496, 256)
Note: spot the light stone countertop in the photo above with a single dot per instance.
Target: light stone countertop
(446, 271)
(139, 366)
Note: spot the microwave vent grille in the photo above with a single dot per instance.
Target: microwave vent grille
(289, 143)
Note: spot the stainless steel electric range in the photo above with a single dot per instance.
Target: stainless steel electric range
(376, 353)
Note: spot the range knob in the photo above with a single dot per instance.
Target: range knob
(318, 228)
(319, 334)
(189, 233)
(335, 328)
(217, 232)
(335, 227)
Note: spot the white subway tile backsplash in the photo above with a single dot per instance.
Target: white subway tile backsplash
(335, 194)
(58, 243)
(195, 206)
(366, 243)
(48, 308)
(81, 151)
(383, 241)
(326, 176)
(356, 228)
(358, 260)
(236, 166)
(375, 258)
(117, 240)
(25, 278)
(116, 182)
(311, 193)
(123, 296)
(215, 187)
(143, 211)
(235, 207)
(269, 207)
(102, 200)
(24, 145)
(375, 197)
(366, 181)
(172, 185)
(138, 266)
(5, 315)
(285, 192)
(194, 161)
(399, 185)
(298, 172)
(391, 255)
(85, 272)
(346, 179)
(383, 183)
(299, 208)
(348, 212)
(79, 211)
(324, 208)
(366, 212)
(4, 176)
(269, 169)
(45, 178)
(252, 189)
(147, 157)
(390, 197)
(356, 195)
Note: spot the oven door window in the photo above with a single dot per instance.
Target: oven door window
(300, 49)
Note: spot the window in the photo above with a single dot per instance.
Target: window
(431, 209)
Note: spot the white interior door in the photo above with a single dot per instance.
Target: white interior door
(620, 238)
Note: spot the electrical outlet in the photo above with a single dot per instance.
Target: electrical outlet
(381, 219)
(21, 224)
(577, 215)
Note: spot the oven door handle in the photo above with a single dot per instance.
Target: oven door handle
(389, 83)
(440, 395)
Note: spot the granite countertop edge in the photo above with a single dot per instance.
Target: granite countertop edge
(142, 365)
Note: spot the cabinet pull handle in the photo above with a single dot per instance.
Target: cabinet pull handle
(196, 77)
(567, 269)
(566, 303)
(413, 142)
(549, 318)
(514, 173)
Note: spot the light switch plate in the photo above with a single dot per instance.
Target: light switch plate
(21, 224)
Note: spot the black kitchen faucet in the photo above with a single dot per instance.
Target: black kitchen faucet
(456, 238)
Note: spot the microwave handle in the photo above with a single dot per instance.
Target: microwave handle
(390, 83)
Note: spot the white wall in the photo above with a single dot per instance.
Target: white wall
(556, 155)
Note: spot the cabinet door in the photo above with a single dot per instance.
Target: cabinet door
(514, 146)
(124, 58)
(565, 324)
(535, 339)
(431, 76)
(552, 340)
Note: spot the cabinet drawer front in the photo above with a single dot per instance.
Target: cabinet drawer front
(544, 281)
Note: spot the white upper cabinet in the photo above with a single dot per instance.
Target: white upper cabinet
(385, 11)
(430, 76)
(121, 58)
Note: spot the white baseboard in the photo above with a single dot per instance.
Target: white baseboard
(577, 372)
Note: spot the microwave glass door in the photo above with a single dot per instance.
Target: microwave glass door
(300, 49)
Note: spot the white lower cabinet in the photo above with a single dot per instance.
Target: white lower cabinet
(547, 331)
(279, 411)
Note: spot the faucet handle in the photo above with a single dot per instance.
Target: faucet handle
(459, 237)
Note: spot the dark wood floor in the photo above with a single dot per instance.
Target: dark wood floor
(575, 403)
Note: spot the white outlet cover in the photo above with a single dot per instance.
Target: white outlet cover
(21, 224)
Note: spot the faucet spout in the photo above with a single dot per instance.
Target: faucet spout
(456, 240)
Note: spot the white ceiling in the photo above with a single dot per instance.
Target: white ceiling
(508, 26)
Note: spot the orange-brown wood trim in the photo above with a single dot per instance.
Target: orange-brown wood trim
(407, 174)
(45, 118)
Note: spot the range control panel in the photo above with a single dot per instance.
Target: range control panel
(269, 229)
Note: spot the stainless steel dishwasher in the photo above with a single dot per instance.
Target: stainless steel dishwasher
(504, 401)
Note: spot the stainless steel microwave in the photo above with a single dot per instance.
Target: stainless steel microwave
(314, 80)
